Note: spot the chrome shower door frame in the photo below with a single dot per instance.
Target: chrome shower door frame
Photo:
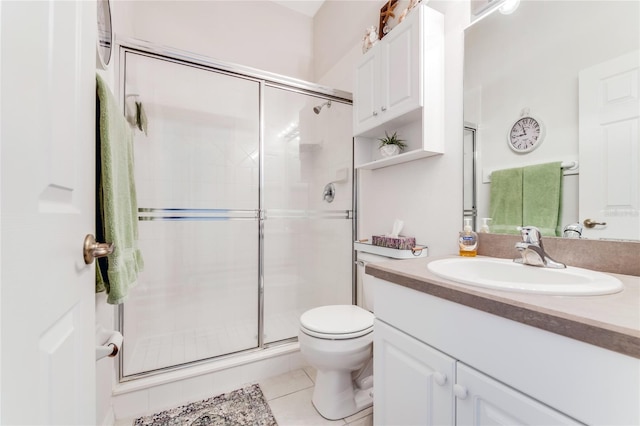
(264, 79)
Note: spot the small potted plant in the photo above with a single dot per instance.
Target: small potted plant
(391, 145)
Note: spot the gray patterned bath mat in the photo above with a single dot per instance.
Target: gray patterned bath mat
(242, 407)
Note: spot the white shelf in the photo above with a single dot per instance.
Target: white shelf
(390, 252)
(397, 159)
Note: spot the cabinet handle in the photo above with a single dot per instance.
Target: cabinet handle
(440, 378)
(460, 391)
(375, 113)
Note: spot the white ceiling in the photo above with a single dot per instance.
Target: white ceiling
(307, 7)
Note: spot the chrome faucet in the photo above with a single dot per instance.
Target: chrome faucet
(573, 230)
(532, 250)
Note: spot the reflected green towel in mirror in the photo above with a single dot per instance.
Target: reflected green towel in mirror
(506, 201)
(542, 197)
(524, 196)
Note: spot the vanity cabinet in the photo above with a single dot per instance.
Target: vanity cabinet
(413, 382)
(440, 362)
(417, 384)
(399, 86)
(481, 400)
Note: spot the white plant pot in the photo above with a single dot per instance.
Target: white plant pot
(389, 150)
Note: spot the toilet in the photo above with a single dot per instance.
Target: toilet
(337, 340)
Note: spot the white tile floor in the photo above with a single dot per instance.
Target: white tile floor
(289, 397)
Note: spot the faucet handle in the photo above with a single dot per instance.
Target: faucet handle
(530, 234)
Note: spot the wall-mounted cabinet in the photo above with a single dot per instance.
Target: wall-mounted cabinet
(387, 78)
(400, 87)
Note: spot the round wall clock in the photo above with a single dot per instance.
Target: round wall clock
(105, 34)
(525, 134)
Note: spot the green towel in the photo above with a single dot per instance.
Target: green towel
(505, 202)
(116, 209)
(542, 197)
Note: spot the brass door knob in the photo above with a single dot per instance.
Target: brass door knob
(589, 223)
(92, 249)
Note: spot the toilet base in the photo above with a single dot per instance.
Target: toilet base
(336, 395)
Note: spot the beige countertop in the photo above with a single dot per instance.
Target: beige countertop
(609, 321)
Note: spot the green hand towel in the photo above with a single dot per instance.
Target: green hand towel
(116, 210)
(542, 197)
(505, 200)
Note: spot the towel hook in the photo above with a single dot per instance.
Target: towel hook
(93, 249)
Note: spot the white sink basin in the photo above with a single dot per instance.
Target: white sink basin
(504, 274)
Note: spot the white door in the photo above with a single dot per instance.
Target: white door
(485, 401)
(609, 151)
(412, 382)
(47, 114)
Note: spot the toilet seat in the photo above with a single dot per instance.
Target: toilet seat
(337, 322)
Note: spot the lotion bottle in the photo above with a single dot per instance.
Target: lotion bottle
(468, 240)
(485, 226)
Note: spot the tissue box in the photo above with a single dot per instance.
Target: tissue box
(400, 242)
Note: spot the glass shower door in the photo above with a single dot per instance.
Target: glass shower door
(307, 238)
(197, 177)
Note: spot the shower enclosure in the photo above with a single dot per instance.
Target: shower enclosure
(237, 234)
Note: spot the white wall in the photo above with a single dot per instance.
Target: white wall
(338, 29)
(531, 59)
(258, 34)
(426, 194)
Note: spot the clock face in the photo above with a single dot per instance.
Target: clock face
(525, 135)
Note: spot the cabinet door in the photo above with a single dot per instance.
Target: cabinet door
(413, 383)
(400, 71)
(365, 105)
(485, 401)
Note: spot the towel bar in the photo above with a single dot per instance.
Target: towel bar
(568, 168)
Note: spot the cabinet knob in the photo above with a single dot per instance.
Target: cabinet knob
(375, 113)
(440, 378)
(460, 391)
(383, 108)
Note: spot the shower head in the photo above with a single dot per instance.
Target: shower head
(318, 108)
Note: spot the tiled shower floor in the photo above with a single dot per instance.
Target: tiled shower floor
(150, 353)
(289, 397)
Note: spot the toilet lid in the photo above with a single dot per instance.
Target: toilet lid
(337, 321)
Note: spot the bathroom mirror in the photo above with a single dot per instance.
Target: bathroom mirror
(530, 61)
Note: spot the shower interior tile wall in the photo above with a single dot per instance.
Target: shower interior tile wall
(302, 153)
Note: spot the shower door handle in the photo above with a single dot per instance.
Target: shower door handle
(92, 249)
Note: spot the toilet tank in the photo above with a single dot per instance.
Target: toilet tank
(364, 281)
(366, 253)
